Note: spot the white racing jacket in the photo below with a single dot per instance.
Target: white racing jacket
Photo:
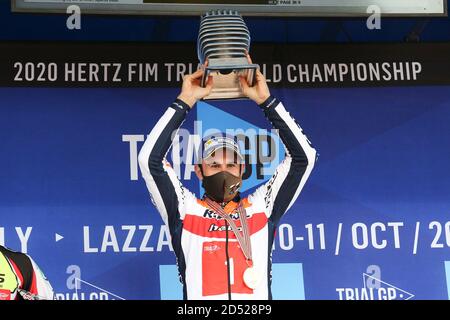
(21, 278)
(210, 262)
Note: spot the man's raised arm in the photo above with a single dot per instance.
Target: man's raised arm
(166, 191)
(281, 191)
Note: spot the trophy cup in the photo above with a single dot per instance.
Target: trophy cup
(223, 40)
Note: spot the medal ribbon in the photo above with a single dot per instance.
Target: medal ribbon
(244, 238)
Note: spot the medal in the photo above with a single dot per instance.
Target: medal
(251, 277)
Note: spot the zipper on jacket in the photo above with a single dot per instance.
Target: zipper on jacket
(228, 261)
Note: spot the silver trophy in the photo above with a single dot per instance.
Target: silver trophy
(223, 40)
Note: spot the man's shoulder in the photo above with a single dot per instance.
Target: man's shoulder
(22, 260)
(7, 251)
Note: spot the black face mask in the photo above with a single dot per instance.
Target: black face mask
(222, 186)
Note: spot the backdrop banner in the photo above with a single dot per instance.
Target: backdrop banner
(372, 222)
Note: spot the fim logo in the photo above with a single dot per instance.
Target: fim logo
(89, 291)
(374, 289)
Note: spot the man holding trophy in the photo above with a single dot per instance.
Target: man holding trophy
(223, 242)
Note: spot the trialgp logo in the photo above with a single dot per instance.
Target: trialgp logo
(373, 288)
(78, 289)
(262, 149)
